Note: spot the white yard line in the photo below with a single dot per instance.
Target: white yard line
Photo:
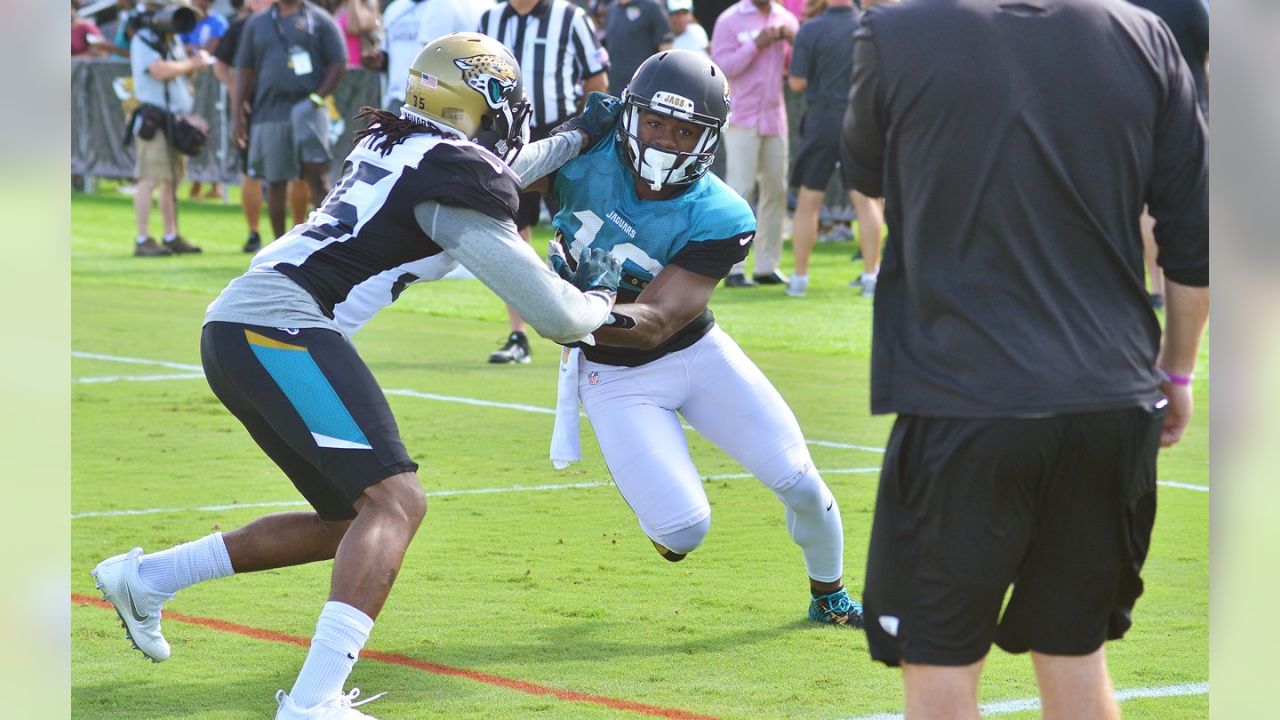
(1006, 707)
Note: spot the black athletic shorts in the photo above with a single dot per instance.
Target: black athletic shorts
(1060, 507)
(819, 150)
(527, 214)
(311, 404)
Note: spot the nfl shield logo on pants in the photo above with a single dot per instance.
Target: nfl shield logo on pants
(593, 378)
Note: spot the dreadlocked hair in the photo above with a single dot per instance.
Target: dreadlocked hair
(389, 129)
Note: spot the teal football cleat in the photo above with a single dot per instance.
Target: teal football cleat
(836, 608)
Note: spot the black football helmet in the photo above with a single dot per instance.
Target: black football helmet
(685, 85)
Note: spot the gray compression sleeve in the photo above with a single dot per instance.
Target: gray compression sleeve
(494, 252)
(539, 158)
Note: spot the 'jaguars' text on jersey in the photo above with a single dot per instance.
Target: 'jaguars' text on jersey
(706, 229)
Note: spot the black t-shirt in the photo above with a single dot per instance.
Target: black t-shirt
(633, 32)
(1189, 22)
(226, 50)
(1015, 146)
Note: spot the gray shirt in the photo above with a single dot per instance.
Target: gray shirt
(633, 32)
(146, 88)
(823, 55)
(270, 46)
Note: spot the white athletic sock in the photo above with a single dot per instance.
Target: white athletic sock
(341, 633)
(169, 571)
(141, 239)
(813, 521)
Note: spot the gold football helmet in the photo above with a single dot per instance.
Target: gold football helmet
(471, 83)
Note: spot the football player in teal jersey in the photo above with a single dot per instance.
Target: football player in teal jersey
(644, 193)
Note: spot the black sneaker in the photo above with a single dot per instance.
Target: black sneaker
(771, 278)
(253, 244)
(738, 280)
(515, 351)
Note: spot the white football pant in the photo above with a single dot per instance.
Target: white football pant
(725, 397)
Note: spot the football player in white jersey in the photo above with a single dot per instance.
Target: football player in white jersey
(422, 191)
(644, 193)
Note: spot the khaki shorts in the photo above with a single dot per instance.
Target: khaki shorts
(154, 157)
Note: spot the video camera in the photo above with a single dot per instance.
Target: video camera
(173, 19)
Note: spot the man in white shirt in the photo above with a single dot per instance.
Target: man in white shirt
(410, 24)
(689, 35)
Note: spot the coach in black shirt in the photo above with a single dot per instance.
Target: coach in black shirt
(1015, 145)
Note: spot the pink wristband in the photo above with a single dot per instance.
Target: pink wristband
(1174, 379)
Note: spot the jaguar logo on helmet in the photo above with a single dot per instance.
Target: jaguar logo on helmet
(470, 83)
(489, 75)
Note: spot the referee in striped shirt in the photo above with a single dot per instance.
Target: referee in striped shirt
(555, 43)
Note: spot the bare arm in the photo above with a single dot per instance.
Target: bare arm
(163, 70)
(797, 84)
(596, 83)
(1186, 311)
(332, 74)
(360, 17)
(224, 73)
(241, 91)
(674, 298)
(494, 252)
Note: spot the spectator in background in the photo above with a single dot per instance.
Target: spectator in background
(634, 30)
(688, 34)
(290, 59)
(86, 39)
(361, 25)
(599, 12)
(751, 42)
(821, 69)
(251, 188)
(555, 44)
(205, 36)
(407, 25)
(161, 69)
(1011, 335)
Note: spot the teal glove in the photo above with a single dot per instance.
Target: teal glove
(597, 119)
(597, 270)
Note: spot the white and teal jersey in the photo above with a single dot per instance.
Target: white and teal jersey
(706, 229)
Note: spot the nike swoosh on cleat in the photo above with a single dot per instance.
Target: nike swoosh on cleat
(133, 608)
(830, 505)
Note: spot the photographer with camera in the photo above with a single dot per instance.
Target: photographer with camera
(163, 127)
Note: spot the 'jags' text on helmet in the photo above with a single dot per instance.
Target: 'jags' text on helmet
(681, 84)
(471, 83)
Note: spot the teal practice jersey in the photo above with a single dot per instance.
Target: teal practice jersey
(705, 229)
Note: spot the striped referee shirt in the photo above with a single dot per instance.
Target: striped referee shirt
(556, 47)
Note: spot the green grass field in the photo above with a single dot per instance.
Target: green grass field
(517, 599)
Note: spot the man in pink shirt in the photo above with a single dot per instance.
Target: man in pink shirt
(751, 42)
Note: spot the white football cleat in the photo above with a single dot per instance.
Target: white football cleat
(139, 609)
(338, 707)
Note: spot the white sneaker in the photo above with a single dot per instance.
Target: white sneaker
(138, 608)
(797, 286)
(338, 707)
(868, 285)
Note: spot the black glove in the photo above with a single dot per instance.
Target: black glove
(597, 270)
(596, 120)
